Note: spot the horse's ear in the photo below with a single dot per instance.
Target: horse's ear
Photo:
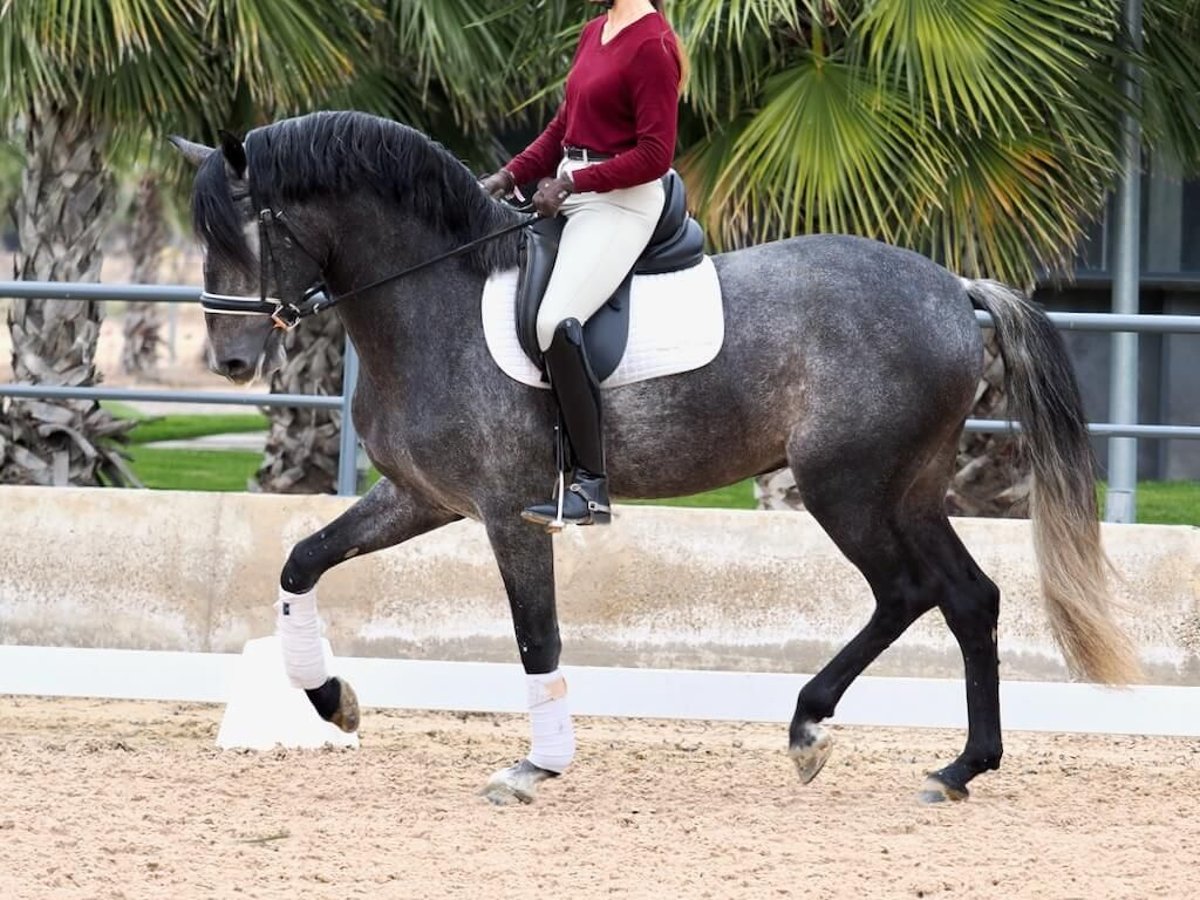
(235, 153)
(192, 152)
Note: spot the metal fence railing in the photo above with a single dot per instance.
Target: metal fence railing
(347, 477)
(347, 464)
(1113, 324)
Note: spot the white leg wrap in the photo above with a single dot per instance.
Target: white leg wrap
(299, 630)
(553, 745)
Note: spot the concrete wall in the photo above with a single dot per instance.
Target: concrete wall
(662, 587)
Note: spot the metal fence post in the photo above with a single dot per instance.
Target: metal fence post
(1120, 502)
(348, 448)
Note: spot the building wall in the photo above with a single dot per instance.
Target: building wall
(1169, 365)
(1169, 374)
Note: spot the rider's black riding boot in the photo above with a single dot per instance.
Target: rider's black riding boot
(585, 501)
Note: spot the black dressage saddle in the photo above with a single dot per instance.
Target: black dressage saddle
(677, 244)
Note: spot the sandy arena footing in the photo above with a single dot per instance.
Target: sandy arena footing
(119, 799)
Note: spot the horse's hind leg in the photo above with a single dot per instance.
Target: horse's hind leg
(386, 516)
(902, 542)
(868, 534)
(970, 604)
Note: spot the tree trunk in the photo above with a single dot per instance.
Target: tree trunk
(990, 479)
(61, 211)
(142, 323)
(301, 455)
(777, 490)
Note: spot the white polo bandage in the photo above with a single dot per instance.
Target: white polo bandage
(553, 744)
(299, 629)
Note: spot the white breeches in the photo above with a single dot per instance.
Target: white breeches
(604, 235)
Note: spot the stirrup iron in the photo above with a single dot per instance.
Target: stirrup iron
(559, 523)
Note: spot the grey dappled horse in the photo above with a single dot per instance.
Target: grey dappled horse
(853, 362)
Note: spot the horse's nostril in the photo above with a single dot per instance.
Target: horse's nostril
(234, 367)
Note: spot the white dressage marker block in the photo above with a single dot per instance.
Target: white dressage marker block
(264, 710)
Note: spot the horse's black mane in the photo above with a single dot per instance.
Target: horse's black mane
(343, 152)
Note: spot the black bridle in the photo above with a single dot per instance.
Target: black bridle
(287, 315)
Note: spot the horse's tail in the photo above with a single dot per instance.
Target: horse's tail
(1043, 396)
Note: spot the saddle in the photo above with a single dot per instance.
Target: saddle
(677, 244)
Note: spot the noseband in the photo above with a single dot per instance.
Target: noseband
(315, 299)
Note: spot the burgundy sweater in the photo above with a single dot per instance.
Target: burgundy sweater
(622, 98)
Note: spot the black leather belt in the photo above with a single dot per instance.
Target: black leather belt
(583, 155)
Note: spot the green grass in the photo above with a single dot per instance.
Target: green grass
(735, 496)
(194, 470)
(1165, 502)
(1169, 503)
(184, 469)
(123, 410)
(183, 426)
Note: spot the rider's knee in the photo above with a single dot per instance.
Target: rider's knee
(547, 325)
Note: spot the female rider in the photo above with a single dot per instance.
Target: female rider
(600, 162)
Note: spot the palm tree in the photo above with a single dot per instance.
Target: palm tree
(303, 445)
(87, 81)
(65, 198)
(983, 134)
(148, 239)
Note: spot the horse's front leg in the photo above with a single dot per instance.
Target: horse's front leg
(386, 516)
(526, 559)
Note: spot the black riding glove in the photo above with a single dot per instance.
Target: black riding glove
(499, 184)
(550, 195)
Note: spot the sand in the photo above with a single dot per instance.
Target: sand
(117, 799)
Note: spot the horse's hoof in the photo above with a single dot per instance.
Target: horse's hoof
(811, 755)
(935, 790)
(516, 784)
(346, 717)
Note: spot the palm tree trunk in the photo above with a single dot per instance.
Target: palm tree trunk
(142, 324)
(777, 490)
(61, 211)
(990, 478)
(301, 455)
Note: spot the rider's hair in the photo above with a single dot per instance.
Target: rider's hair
(685, 64)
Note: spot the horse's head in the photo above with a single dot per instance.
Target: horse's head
(253, 265)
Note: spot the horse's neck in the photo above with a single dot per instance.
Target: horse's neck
(401, 322)
(400, 325)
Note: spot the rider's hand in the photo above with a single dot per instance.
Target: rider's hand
(500, 184)
(550, 195)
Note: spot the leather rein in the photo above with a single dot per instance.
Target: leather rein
(287, 315)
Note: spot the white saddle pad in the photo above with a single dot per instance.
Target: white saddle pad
(676, 324)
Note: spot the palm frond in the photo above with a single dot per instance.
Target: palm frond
(1171, 86)
(993, 63)
(830, 150)
(289, 53)
(1009, 206)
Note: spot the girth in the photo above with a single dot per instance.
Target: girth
(677, 243)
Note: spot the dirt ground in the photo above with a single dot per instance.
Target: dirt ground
(117, 799)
